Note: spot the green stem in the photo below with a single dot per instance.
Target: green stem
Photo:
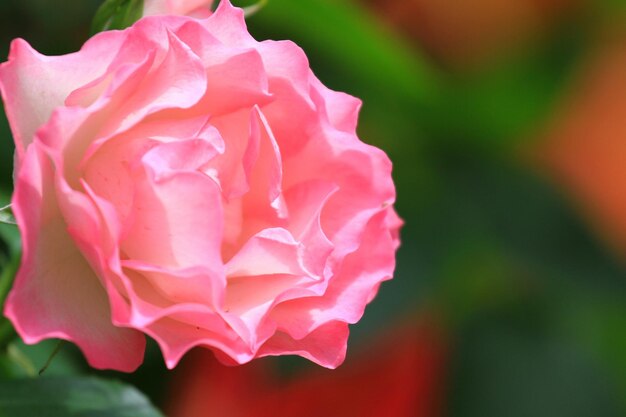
(52, 355)
(7, 277)
(21, 360)
(7, 333)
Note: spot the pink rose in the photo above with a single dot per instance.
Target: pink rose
(181, 180)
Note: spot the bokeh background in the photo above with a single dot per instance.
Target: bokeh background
(506, 123)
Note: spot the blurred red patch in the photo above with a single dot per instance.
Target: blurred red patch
(400, 375)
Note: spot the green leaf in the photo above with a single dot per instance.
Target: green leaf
(72, 397)
(116, 14)
(23, 361)
(498, 371)
(103, 15)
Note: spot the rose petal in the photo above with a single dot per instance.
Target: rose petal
(228, 25)
(325, 346)
(178, 82)
(363, 175)
(292, 113)
(265, 201)
(186, 155)
(236, 77)
(54, 276)
(178, 334)
(177, 220)
(71, 131)
(33, 85)
(271, 251)
(341, 109)
(234, 166)
(350, 290)
(306, 202)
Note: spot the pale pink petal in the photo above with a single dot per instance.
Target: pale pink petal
(71, 131)
(249, 300)
(155, 293)
(362, 174)
(236, 76)
(271, 251)
(341, 109)
(234, 166)
(292, 113)
(287, 67)
(108, 163)
(228, 25)
(178, 82)
(143, 80)
(109, 173)
(250, 165)
(305, 202)
(186, 155)
(245, 84)
(33, 85)
(181, 332)
(265, 201)
(177, 220)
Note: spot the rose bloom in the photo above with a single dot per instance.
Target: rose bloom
(181, 180)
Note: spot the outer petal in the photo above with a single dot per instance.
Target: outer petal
(228, 25)
(269, 268)
(176, 336)
(56, 293)
(325, 346)
(341, 109)
(292, 114)
(363, 175)
(236, 76)
(306, 202)
(350, 290)
(33, 85)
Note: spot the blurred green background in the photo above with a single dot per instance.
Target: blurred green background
(513, 236)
